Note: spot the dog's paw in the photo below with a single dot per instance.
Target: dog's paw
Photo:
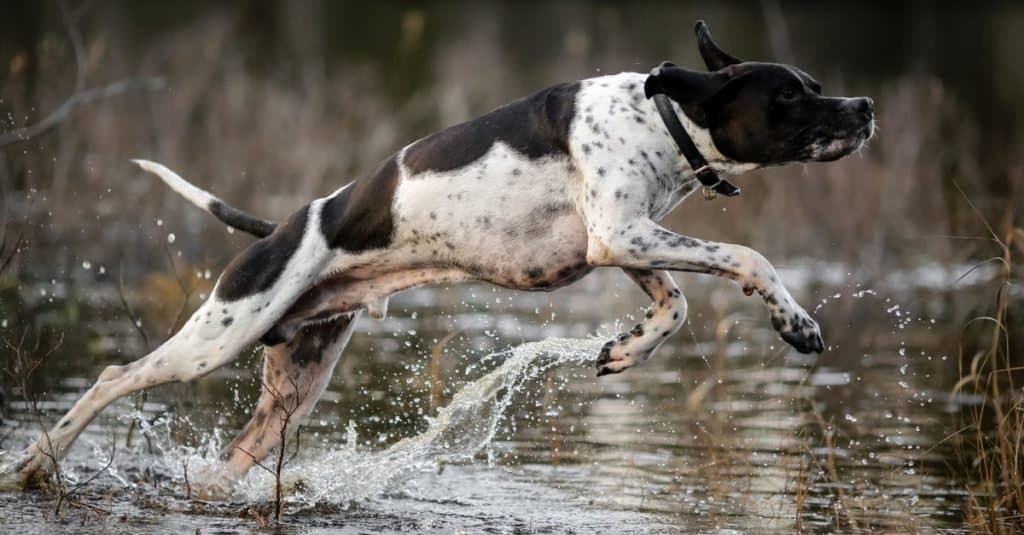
(210, 481)
(23, 471)
(799, 331)
(614, 357)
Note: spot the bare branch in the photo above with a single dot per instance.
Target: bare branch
(136, 323)
(77, 100)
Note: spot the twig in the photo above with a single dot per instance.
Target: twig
(188, 484)
(436, 384)
(136, 322)
(7, 255)
(288, 410)
(186, 291)
(79, 99)
(68, 495)
(137, 325)
(21, 371)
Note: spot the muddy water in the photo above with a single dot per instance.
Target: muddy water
(726, 429)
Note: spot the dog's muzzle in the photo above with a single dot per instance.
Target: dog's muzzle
(854, 125)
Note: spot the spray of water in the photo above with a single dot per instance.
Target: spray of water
(350, 473)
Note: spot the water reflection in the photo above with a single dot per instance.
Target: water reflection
(743, 435)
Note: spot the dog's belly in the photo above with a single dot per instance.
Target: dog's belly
(545, 254)
(504, 218)
(550, 255)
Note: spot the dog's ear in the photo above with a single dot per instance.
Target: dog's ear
(682, 85)
(688, 88)
(713, 56)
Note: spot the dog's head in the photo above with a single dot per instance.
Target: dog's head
(764, 113)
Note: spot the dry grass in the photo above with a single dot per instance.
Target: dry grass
(991, 444)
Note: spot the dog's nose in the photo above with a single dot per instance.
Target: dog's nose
(862, 105)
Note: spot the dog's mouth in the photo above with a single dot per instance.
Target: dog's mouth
(834, 145)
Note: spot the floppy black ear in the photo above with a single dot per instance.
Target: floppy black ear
(713, 56)
(681, 85)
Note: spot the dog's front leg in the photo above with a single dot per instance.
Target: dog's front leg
(664, 317)
(643, 244)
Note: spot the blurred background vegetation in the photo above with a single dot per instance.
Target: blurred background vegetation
(269, 104)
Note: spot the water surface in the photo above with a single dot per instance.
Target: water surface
(724, 429)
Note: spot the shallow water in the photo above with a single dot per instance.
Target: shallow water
(725, 429)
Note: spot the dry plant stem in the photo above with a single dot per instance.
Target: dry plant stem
(8, 252)
(801, 494)
(76, 101)
(436, 384)
(21, 371)
(996, 505)
(80, 97)
(288, 410)
(188, 484)
(69, 494)
(828, 433)
(186, 292)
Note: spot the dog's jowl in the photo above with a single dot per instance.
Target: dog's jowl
(531, 196)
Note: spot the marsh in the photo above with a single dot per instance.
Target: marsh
(475, 408)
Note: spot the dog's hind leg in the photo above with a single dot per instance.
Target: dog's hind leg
(664, 317)
(295, 375)
(254, 291)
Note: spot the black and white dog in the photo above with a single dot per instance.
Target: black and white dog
(532, 196)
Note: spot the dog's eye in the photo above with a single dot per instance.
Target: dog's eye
(787, 94)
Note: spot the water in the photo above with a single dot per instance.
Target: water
(724, 429)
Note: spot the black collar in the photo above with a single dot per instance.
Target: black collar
(708, 177)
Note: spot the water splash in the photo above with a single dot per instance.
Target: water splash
(350, 473)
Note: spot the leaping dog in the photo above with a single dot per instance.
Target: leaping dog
(531, 196)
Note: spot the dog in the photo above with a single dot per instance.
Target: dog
(532, 196)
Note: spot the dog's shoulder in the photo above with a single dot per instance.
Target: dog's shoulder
(612, 103)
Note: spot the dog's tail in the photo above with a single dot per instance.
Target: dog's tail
(229, 215)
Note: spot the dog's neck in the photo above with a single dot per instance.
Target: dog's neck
(704, 142)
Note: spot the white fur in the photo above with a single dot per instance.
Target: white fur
(196, 196)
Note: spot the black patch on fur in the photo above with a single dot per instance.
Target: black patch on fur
(360, 217)
(259, 266)
(310, 344)
(536, 126)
